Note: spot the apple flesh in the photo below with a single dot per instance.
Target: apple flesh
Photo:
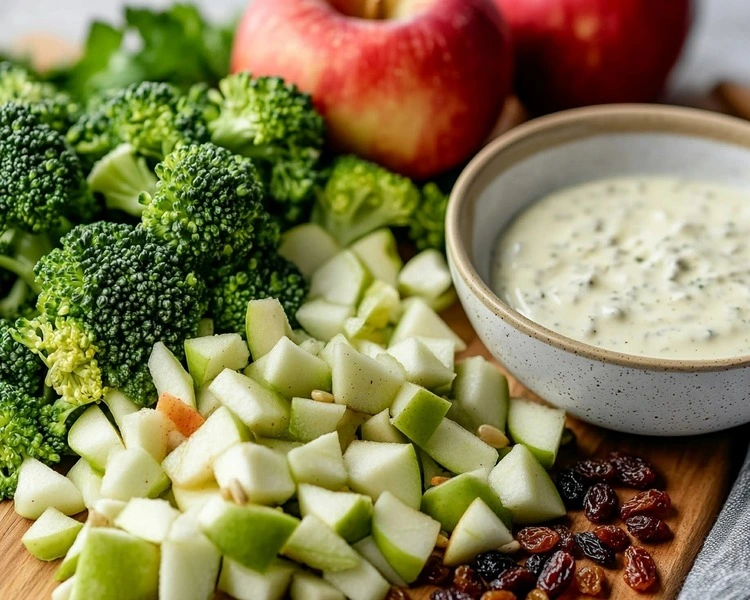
(306, 586)
(39, 487)
(316, 545)
(478, 530)
(417, 412)
(94, 438)
(133, 473)
(537, 427)
(310, 419)
(88, 481)
(362, 383)
(242, 583)
(347, 513)
(319, 462)
(148, 519)
(265, 324)
(363, 582)
(398, 84)
(577, 52)
(308, 246)
(208, 356)
(459, 450)
(369, 549)
(148, 429)
(169, 375)
(52, 535)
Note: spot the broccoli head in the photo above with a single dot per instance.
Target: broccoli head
(108, 294)
(29, 428)
(207, 207)
(18, 365)
(427, 225)
(360, 197)
(265, 275)
(50, 105)
(277, 125)
(41, 177)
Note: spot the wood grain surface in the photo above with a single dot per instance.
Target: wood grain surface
(697, 472)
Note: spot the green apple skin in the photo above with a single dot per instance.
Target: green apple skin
(94, 438)
(69, 564)
(417, 412)
(370, 551)
(265, 324)
(364, 582)
(252, 535)
(537, 427)
(209, 355)
(479, 530)
(306, 586)
(52, 535)
(448, 501)
(115, 565)
(40, 487)
(316, 545)
(347, 513)
(242, 583)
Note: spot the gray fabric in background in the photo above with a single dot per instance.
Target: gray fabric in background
(722, 569)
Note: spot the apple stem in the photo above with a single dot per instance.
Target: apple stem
(374, 9)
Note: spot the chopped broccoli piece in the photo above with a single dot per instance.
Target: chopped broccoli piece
(277, 125)
(360, 197)
(18, 365)
(41, 178)
(427, 225)
(207, 207)
(261, 276)
(120, 177)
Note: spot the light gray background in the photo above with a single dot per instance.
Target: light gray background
(719, 48)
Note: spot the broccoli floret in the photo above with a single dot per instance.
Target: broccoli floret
(260, 276)
(120, 177)
(427, 225)
(108, 294)
(50, 105)
(360, 197)
(277, 125)
(207, 207)
(29, 428)
(41, 178)
(18, 365)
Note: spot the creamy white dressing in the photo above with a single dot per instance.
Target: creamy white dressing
(656, 267)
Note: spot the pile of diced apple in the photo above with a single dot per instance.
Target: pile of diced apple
(319, 464)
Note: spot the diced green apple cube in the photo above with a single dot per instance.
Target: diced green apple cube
(342, 279)
(417, 412)
(537, 427)
(133, 473)
(362, 383)
(369, 348)
(312, 346)
(282, 447)
(265, 324)
(109, 509)
(322, 319)
(252, 535)
(243, 583)
(52, 535)
(209, 355)
(169, 375)
(306, 586)
(378, 251)
(148, 429)
(319, 462)
(94, 438)
(347, 513)
(405, 536)
(207, 401)
(329, 351)
(149, 519)
(459, 450)
(264, 411)
(378, 428)
(375, 468)
(356, 328)
(380, 306)
(88, 481)
(363, 582)
(430, 469)
(525, 488)
(479, 530)
(119, 405)
(443, 349)
(308, 246)
(370, 551)
(481, 394)
(69, 564)
(425, 275)
(64, 591)
(316, 545)
(310, 419)
(419, 320)
(190, 498)
(40, 488)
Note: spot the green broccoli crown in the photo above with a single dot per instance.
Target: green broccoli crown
(53, 107)
(360, 197)
(265, 275)
(208, 206)
(18, 365)
(25, 433)
(427, 226)
(41, 177)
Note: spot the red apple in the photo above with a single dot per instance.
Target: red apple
(415, 85)
(578, 52)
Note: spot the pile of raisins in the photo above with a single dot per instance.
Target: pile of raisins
(550, 567)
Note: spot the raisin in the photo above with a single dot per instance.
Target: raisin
(648, 529)
(633, 471)
(591, 580)
(468, 581)
(499, 595)
(654, 503)
(572, 487)
(594, 549)
(567, 541)
(435, 572)
(489, 565)
(612, 537)
(397, 594)
(537, 594)
(557, 573)
(537, 540)
(449, 594)
(535, 563)
(640, 569)
(518, 580)
(596, 471)
(600, 503)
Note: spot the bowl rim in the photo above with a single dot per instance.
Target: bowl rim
(583, 122)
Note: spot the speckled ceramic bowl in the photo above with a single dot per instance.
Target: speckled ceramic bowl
(619, 391)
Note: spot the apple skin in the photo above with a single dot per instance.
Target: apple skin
(573, 53)
(417, 94)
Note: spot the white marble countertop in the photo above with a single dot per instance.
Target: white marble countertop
(719, 48)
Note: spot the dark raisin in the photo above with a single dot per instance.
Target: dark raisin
(600, 503)
(633, 471)
(449, 594)
(537, 540)
(591, 580)
(572, 487)
(535, 563)
(435, 572)
(640, 569)
(537, 594)
(596, 471)
(557, 573)
(612, 537)
(648, 529)
(654, 503)
(466, 580)
(567, 541)
(490, 564)
(519, 581)
(499, 595)
(592, 547)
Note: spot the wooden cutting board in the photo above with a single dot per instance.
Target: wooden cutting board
(697, 470)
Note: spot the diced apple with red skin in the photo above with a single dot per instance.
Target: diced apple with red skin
(186, 419)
